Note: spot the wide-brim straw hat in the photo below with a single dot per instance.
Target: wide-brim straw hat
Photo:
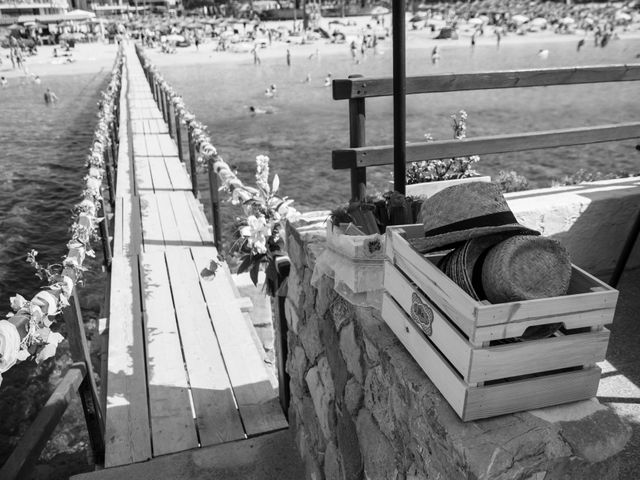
(464, 211)
(525, 268)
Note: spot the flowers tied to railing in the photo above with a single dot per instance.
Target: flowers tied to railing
(259, 242)
(27, 333)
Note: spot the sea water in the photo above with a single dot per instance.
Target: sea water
(42, 156)
(306, 123)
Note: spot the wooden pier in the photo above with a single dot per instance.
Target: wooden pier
(183, 371)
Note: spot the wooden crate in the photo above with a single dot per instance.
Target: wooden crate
(469, 349)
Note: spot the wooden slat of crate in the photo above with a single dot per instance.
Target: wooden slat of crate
(445, 293)
(450, 342)
(152, 236)
(172, 424)
(432, 362)
(127, 436)
(539, 392)
(536, 356)
(257, 401)
(159, 174)
(217, 417)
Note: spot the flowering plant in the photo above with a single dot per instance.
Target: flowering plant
(445, 169)
(260, 243)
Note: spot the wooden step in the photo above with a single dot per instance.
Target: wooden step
(270, 456)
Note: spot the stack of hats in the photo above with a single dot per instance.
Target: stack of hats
(494, 257)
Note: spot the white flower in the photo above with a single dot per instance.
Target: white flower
(49, 350)
(9, 345)
(258, 233)
(18, 302)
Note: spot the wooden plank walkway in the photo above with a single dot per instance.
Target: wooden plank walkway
(183, 369)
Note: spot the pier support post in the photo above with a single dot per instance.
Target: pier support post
(169, 116)
(110, 182)
(215, 205)
(104, 234)
(178, 128)
(192, 164)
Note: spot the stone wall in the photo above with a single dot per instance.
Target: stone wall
(362, 408)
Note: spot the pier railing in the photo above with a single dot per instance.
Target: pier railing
(200, 151)
(356, 89)
(61, 296)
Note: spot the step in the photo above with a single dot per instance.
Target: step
(270, 456)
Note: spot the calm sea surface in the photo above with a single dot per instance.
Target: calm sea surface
(42, 155)
(307, 124)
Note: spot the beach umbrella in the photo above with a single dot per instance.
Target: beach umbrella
(484, 18)
(539, 22)
(175, 38)
(520, 19)
(474, 21)
(379, 10)
(623, 16)
(567, 21)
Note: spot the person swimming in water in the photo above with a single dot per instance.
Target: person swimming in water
(3, 81)
(258, 110)
(50, 97)
(327, 80)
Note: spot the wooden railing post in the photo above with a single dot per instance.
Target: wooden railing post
(280, 345)
(178, 129)
(110, 183)
(169, 116)
(163, 104)
(88, 390)
(357, 119)
(215, 205)
(156, 91)
(192, 163)
(104, 234)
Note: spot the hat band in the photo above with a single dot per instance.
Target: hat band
(490, 220)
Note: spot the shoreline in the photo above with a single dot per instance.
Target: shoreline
(93, 57)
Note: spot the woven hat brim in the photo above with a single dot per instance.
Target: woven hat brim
(428, 244)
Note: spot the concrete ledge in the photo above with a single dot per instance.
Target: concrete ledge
(591, 220)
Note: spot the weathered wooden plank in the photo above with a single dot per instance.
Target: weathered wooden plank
(179, 178)
(139, 145)
(167, 145)
(152, 236)
(127, 435)
(172, 425)
(509, 397)
(157, 126)
(26, 453)
(185, 222)
(375, 87)
(217, 417)
(153, 146)
(257, 400)
(118, 234)
(132, 227)
(160, 175)
(513, 142)
(170, 231)
(197, 211)
(144, 181)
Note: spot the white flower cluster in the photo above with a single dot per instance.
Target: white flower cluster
(26, 332)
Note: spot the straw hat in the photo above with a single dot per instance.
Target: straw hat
(465, 211)
(525, 268)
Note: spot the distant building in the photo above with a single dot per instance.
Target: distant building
(12, 10)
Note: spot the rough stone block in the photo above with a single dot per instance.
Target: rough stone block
(325, 296)
(378, 453)
(331, 343)
(341, 312)
(309, 335)
(351, 351)
(353, 396)
(291, 314)
(295, 292)
(321, 389)
(347, 437)
(332, 467)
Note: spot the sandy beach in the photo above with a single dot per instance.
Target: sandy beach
(94, 57)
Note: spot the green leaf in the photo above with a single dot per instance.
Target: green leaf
(246, 263)
(253, 274)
